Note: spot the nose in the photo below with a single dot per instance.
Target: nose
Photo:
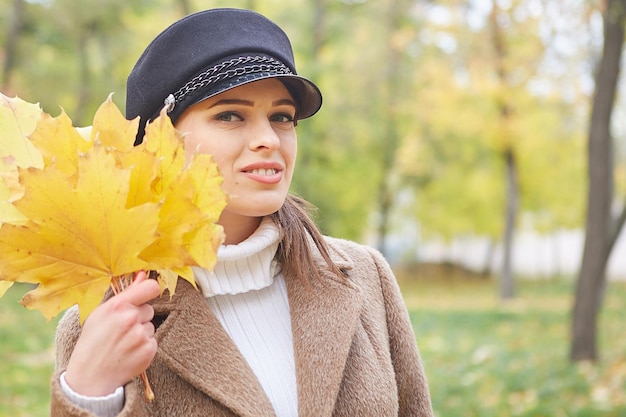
(263, 135)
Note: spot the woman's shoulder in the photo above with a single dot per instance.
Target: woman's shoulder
(359, 255)
(351, 247)
(369, 271)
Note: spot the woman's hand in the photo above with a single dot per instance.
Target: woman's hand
(116, 343)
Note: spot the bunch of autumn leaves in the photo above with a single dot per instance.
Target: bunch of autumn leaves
(81, 207)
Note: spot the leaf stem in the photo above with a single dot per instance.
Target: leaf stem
(119, 284)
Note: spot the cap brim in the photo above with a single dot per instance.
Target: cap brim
(305, 93)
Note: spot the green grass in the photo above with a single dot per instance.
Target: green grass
(487, 358)
(27, 357)
(482, 357)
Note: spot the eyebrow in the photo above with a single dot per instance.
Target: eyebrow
(242, 102)
(284, 101)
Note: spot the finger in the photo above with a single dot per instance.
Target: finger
(145, 313)
(149, 329)
(140, 276)
(140, 293)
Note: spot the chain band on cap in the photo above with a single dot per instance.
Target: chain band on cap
(224, 71)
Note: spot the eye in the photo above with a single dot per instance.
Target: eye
(228, 116)
(283, 118)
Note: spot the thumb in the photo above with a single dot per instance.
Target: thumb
(141, 291)
(139, 277)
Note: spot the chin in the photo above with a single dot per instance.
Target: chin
(256, 204)
(267, 211)
(259, 210)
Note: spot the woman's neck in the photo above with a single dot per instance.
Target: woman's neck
(249, 265)
(238, 228)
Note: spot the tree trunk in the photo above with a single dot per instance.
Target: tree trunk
(185, 7)
(600, 230)
(556, 258)
(507, 278)
(309, 156)
(85, 78)
(507, 288)
(391, 138)
(491, 248)
(10, 50)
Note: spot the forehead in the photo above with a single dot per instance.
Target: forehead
(270, 89)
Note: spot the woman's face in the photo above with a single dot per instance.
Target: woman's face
(250, 131)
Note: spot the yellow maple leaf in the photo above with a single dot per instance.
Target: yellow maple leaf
(204, 175)
(178, 216)
(112, 129)
(85, 232)
(4, 287)
(10, 191)
(18, 119)
(59, 142)
(101, 209)
(187, 231)
(167, 279)
(156, 162)
(161, 137)
(203, 181)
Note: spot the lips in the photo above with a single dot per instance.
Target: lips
(266, 172)
(262, 171)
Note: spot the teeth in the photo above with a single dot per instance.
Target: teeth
(264, 171)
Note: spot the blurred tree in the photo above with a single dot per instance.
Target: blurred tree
(337, 47)
(483, 111)
(602, 228)
(70, 54)
(95, 28)
(185, 7)
(38, 57)
(507, 141)
(408, 131)
(312, 142)
(391, 99)
(14, 28)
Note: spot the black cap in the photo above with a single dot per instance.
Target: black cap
(207, 53)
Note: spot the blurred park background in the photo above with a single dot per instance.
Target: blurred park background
(479, 144)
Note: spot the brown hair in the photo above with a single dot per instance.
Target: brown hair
(294, 251)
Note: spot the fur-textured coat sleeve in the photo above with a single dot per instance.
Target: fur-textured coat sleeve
(388, 328)
(354, 347)
(413, 394)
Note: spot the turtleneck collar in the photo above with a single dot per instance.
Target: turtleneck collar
(247, 266)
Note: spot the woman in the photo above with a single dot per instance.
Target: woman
(289, 323)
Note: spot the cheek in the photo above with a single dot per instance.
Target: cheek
(195, 133)
(190, 149)
(222, 157)
(289, 146)
(291, 153)
(194, 144)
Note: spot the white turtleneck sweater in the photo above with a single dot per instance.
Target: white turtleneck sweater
(247, 293)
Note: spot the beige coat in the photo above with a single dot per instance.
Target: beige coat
(355, 352)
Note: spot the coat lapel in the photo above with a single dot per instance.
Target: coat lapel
(194, 345)
(324, 317)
